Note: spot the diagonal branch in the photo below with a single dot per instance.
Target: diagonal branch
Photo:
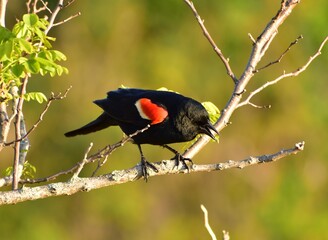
(211, 41)
(54, 14)
(259, 48)
(281, 56)
(53, 97)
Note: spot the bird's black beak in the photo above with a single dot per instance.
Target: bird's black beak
(206, 129)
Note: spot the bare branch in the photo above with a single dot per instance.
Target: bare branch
(53, 97)
(54, 15)
(123, 176)
(211, 41)
(67, 19)
(69, 3)
(100, 164)
(82, 163)
(281, 56)
(34, 5)
(283, 76)
(207, 224)
(259, 48)
(251, 38)
(3, 6)
(226, 235)
(103, 153)
(4, 124)
(18, 161)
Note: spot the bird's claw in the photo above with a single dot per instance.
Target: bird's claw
(179, 158)
(144, 165)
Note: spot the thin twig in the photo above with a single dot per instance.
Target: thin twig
(99, 165)
(54, 15)
(45, 6)
(67, 19)
(226, 235)
(28, 3)
(211, 41)
(82, 163)
(281, 56)
(69, 3)
(283, 76)
(207, 224)
(53, 97)
(110, 148)
(251, 38)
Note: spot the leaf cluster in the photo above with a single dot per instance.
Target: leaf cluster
(24, 51)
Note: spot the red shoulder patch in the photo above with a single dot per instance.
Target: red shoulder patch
(151, 111)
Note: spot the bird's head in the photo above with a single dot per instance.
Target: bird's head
(199, 119)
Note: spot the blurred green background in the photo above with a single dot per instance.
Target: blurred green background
(150, 44)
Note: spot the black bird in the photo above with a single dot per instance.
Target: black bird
(172, 118)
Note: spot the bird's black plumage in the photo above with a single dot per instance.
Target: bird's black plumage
(172, 117)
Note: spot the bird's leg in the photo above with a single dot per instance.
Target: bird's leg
(144, 164)
(178, 157)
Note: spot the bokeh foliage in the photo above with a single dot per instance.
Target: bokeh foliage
(150, 44)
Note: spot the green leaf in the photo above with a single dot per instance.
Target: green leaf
(32, 66)
(30, 19)
(28, 170)
(21, 30)
(25, 45)
(42, 23)
(27, 97)
(18, 70)
(57, 55)
(65, 70)
(3, 56)
(8, 49)
(40, 97)
(8, 171)
(60, 70)
(5, 34)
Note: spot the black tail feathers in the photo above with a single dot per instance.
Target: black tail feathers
(103, 121)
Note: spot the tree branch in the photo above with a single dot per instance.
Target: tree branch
(281, 56)
(283, 76)
(54, 14)
(3, 6)
(116, 177)
(53, 97)
(207, 224)
(165, 167)
(211, 41)
(19, 147)
(259, 48)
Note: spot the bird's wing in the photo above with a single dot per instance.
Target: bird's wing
(133, 106)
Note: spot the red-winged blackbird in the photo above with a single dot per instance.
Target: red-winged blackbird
(172, 118)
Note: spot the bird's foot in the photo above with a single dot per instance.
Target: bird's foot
(144, 168)
(179, 158)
